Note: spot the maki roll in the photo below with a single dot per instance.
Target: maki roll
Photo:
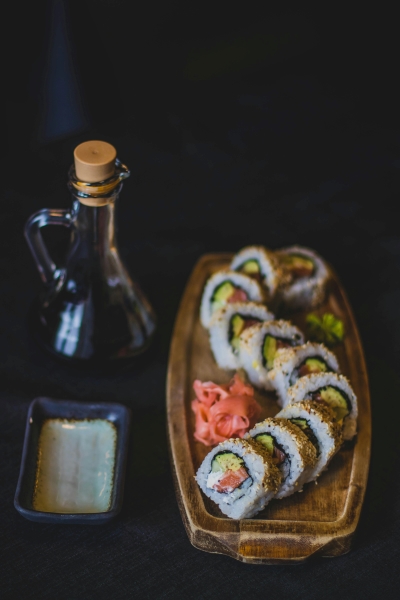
(307, 276)
(317, 422)
(260, 264)
(333, 390)
(225, 287)
(259, 344)
(226, 326)
(240, 477)
(292, 364)
(291, 451)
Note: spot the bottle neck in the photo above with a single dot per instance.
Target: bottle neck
(95, 225)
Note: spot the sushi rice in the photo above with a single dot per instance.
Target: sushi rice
(300, 454)
(289, 361)
(323, 432)
(251, 346)
(221, 330)
(308, 386)
(238, 281)
(303, 292)
(259, 262)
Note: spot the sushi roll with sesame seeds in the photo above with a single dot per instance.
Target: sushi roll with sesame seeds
(290, 449)
(292, 364)
(333, 390)
(225, 287)
(240, 477)
(262, 265)
(318, 423)
(226, 326)
(259, 344)
(307, 275)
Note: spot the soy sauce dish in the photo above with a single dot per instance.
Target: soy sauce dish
(73, 462)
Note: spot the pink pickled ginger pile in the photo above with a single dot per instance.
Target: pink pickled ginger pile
(223, 411)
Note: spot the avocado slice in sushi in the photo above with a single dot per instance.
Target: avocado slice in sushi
(267, 441)
(305, 427)
(238, 325)
(336, 399)
(302, 423)
(313, 364)
(227, 292)
(272, 447)
(270, 347)
(221, 295)
(250, 267)
(299, 266)
(269, 350)
(224, 461)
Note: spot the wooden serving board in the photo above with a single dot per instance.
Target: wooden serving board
(322, 519)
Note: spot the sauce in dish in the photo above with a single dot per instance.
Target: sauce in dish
(75, 467)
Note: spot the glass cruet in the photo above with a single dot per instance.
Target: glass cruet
(90, 309)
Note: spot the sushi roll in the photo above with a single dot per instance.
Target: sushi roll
(333, 390)
(226, 326)
(261, 264)
(259, 344)
(307, 275)
(290, 449)
(317, 422)
(240, 477)
(292, 364)
(225, 287)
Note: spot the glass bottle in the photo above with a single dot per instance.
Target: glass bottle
(90, 310)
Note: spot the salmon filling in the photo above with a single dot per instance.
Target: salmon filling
(228, 473)
(231, 480)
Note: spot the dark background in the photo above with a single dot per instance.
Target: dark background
(273, 125)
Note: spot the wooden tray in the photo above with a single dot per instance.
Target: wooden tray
(322, 519)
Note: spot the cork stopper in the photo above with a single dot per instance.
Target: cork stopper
(94, 161)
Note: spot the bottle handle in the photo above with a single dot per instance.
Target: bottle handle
(48, 270)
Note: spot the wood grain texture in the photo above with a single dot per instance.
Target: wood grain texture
(322, 519)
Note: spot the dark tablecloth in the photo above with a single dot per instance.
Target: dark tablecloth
(295, 161)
